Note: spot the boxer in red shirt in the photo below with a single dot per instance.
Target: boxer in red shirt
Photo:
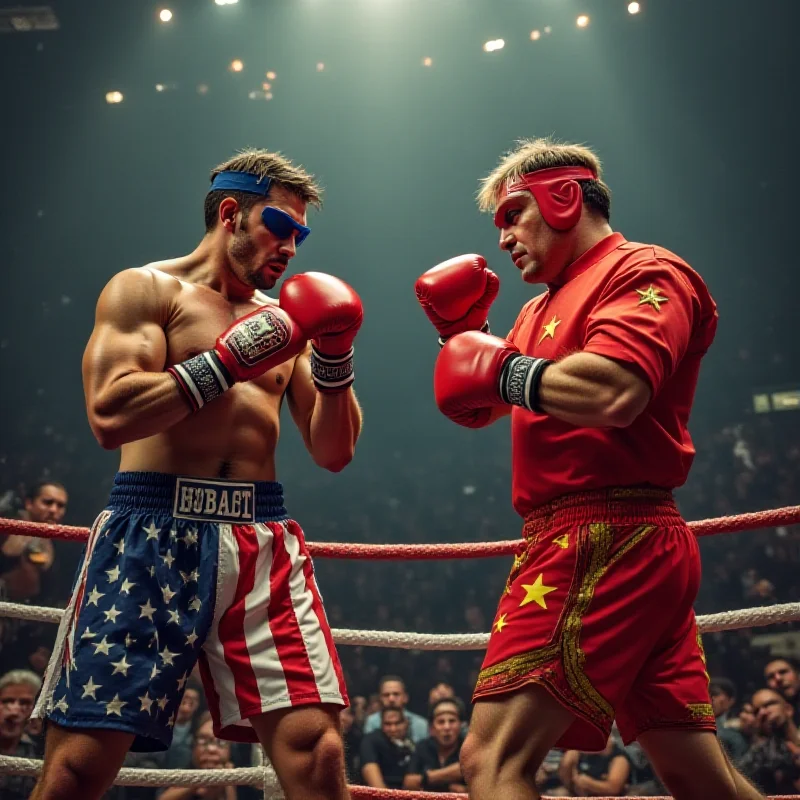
(598, 375)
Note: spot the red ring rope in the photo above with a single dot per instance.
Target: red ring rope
(771, 518)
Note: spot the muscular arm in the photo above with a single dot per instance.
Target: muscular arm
(128, 396)
(566, 767)
(330, 424)
(593, 392)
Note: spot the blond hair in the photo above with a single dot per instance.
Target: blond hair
(532, 155)
(264, 164)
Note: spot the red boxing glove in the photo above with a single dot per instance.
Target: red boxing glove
(329, 312)
(475, 372)
(250, 347)
(456, 295)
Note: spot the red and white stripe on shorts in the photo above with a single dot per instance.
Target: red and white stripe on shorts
(270, 645)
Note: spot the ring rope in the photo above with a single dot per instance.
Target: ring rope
(402, 640)
(790, 515)
(252, 776)
(264, 776)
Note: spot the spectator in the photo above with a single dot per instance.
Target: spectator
(771, 763)
(208, 752)
(386, 753)
(548, 780)
(351, 735)
(434, 766)
(783, 676)
(392, 693)
(723, 699)
(358, 704)
(179, 755)
(23, 559)
(595, 774)
(18, 690)
(441, 691)
(748, 723)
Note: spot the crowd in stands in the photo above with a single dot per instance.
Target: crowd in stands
(410, 708)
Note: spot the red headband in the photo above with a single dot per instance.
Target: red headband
(557, 193)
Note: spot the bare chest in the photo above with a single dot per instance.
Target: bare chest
(196, 320)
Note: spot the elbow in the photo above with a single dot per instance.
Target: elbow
(621, 408)
(336, 462)
(106, 433)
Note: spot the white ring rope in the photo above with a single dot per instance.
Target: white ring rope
(262, 777)
(708, 623)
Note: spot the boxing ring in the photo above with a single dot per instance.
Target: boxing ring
(264, 776)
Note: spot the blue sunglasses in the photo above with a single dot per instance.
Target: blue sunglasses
(283, 226)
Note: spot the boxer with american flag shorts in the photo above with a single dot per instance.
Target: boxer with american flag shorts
(194, 560)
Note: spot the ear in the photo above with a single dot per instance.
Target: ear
(228, 209)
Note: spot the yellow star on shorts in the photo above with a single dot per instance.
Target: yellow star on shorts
(536, 591)
(562, 541)
(501, 623)
(550, 329)
(651, 297)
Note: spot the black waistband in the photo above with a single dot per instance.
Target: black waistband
(207, 499)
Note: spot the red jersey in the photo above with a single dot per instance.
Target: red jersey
(638, 304)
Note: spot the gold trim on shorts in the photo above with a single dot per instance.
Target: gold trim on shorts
(588, 699)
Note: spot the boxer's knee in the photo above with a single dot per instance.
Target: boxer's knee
(66, 777)
(328, 759)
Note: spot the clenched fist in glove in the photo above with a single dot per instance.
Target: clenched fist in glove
(330, 313)
(475, 372)
(456, 295)
(313, 306)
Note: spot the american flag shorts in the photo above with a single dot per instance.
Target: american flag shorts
(182, 570)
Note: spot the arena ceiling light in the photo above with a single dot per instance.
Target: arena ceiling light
(237, 65)
(494, 44)
(427, 61)
(226, 2)
(582, 21)
(634, 8)
(535, 36)
(112, 98)
(165, 15)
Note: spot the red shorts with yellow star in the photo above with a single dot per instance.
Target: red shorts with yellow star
(598, 610)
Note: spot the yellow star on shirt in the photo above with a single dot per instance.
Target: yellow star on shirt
(536, 591)
(501, 623)
(550, 329)
(651, 297)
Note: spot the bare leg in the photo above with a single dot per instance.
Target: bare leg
(693, 766)
(80, 763)
(507, 742)
(305, 747)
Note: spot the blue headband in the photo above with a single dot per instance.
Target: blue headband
(277, 221)
(241, 182)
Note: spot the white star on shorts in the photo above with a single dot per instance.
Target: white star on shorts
(115, 706)
(146, 702)
(94, 596)
(103, 647)
(152, 532)
(175, 617)
(90, 688)
(168, 559)
(168, 657)
(126, 586)
(112, 614)
(121, 666)
(168, 593)
(61, 705)
(120, 545)
(147, 610)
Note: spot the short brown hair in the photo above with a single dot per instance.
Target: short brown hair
(264, 164)
(531, 155)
